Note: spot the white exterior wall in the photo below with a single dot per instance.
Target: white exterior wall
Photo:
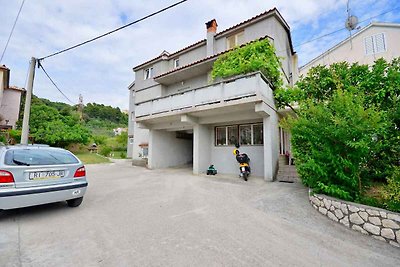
(10, 105)
(201, 148)
(187, 84)
(271, 146)
(165, 150)
(271, 27)
(356, 51)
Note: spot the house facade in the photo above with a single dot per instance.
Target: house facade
(179, 115)
(10, 100)
(376, 40)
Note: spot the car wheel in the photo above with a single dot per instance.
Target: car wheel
(1, 212)
(74, 202)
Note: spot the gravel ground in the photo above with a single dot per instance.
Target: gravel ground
(132, 216)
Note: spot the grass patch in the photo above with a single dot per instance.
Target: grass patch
(92, 158)
(118, 154)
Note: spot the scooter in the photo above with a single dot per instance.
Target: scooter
(243, 160)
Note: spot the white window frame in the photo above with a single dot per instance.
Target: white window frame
(148, 73)
(236, 39)
(226, 143)
(176, 63)
(373, 38)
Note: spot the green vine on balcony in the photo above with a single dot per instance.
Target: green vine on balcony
(255, 56)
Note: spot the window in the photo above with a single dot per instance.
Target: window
(148, 73)
(145, 152)
(375, 44)
(176, 63)
(247, 134)
(258, 135)
(220, 136)
(235, 40)
(42, 156)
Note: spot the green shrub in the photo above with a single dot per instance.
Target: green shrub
(331, 142)
(255, 56)
(391, 192)
(123, 155)
(105, 150)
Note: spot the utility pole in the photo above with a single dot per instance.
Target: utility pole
(28, 99)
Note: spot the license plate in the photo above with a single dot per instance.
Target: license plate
(243, 169)
(46, 175)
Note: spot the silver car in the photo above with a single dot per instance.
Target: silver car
(36, 174)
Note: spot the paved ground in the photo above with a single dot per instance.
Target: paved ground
(136, 217)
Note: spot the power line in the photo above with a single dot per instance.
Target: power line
(12, 30)
(51, 80)
(341, 29)
(115, 30)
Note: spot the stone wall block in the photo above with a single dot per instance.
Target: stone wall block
(322, 210)
(315, 206)
(373, 212)
(394, 244)
(394, 217)
(332, 216)
(387, 233)
(336, 204)
(356, 219)
(345, 221)
(398, 236)
(353, 208)
(344, 209)
(375, 220)
(373, 229)
(339, 214)
(383, 214)
(359, 229)
(363, 215)
(327, 203)
(315, 201)
(390, 224)
(332, 208)
(379, 238)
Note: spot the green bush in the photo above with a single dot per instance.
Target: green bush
(255, 56)
(346, 133)
(123, 155)
(331, 142)
(391, 192)
(105, 150)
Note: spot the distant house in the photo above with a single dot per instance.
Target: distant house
(119, 131)
(178, 115)
(10, 100)
(376, 40)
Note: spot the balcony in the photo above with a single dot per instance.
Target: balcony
(247, 88)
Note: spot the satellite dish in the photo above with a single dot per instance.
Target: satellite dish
(351, 23)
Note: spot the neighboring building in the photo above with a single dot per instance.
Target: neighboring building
(119, 131)
(374, 41)
(179, 116)
(10, 100)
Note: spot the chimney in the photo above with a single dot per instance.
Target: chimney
(211, 31)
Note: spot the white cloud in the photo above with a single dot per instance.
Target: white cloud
(102, 70)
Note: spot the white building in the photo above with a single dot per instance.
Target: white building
(10, 100)
(377, 40)
(179, 116)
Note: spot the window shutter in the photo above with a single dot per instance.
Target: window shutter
(369, 45)
(380, 43)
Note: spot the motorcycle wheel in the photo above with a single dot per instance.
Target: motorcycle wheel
(245, 175)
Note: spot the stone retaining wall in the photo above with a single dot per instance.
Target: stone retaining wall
(378, 223)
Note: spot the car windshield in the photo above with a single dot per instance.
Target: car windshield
(29, 157)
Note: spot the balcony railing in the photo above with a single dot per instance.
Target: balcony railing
(253, 84)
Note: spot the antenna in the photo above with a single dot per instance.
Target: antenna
(351, 22)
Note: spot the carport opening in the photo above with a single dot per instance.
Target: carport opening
(186, 147)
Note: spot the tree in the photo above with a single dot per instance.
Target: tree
(347, 132)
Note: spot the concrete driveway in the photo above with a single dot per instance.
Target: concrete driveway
(137, 217)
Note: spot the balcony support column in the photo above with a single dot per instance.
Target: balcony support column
(201, 148)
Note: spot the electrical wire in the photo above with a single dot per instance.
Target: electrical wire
(12, 30)
(115, 30)
(51, 80)
(341, 29)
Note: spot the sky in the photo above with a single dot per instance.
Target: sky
(101, 71)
